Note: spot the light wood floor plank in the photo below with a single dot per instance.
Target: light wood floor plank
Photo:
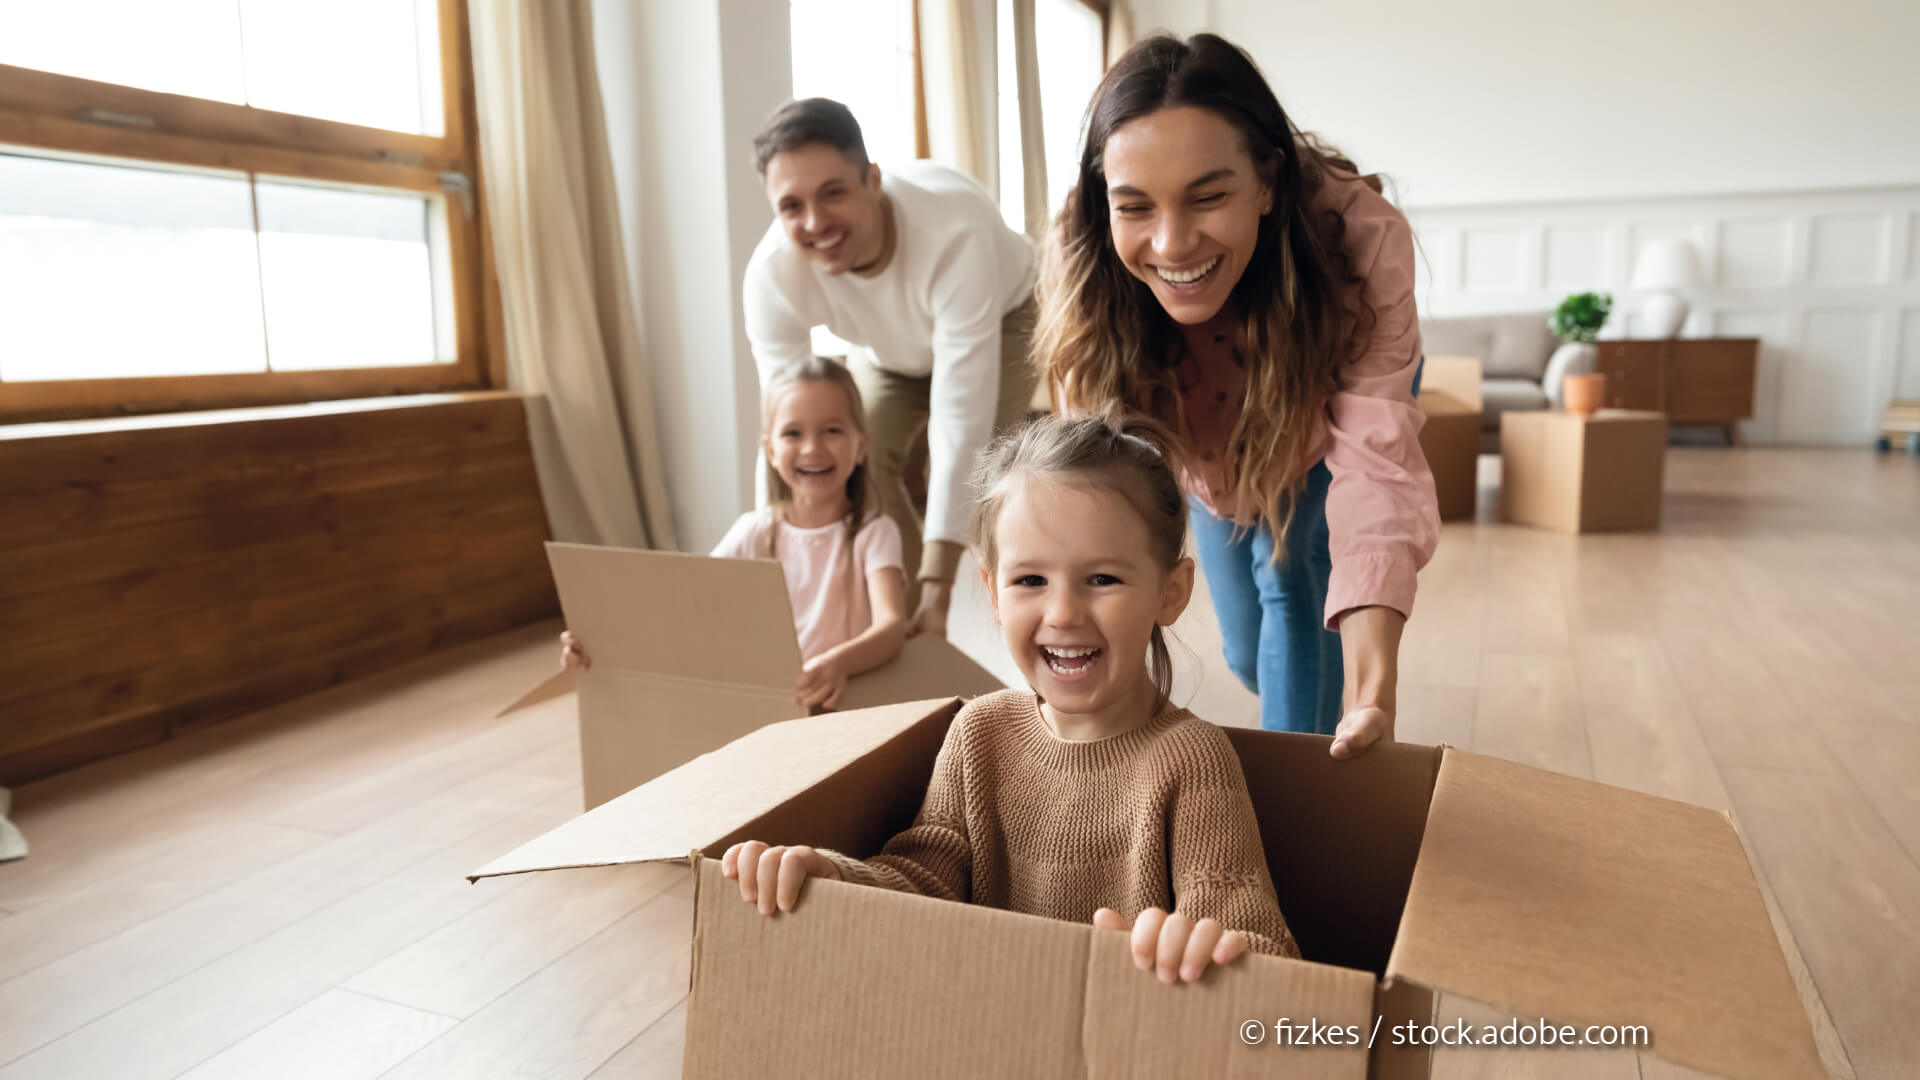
(216, 1005)
(468, 963)
(339, 1035)
(45, 933)
(1639, 729)
(1529, 710)
(654, 1054)
(574, 1015)
(1852, 897)
(1744, 713)
(1435, 715)
(35, 1011)
(88, 829)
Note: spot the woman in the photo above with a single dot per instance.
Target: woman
(1242, 285)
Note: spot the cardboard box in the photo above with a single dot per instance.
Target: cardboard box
(1408, 871)
(1598, 473)
(690, 653)
(1454, 377)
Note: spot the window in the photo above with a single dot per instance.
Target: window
(860, 53)
(223, 202)
(1070, 39)
(880, 87)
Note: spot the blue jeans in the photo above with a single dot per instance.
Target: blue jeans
(1273, 614)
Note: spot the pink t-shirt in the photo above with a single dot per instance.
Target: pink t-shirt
(828, 590)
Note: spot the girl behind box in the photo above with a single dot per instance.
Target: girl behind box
(1093, 797)
(840, 556)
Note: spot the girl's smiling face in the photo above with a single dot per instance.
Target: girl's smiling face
(1184, 203)
(813, 442)
(1078, 593)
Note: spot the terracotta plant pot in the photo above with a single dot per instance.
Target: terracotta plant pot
(1584, 394)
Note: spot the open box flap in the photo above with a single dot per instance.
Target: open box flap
(633, 610)
(928, 664)
(714, 796)
(1590, 904)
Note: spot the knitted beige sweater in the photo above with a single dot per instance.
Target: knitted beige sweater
(1018, 818)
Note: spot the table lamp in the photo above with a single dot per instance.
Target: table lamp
(1664, 268)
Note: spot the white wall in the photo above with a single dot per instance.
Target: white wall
(1538, 143)
(1498, 101)
(686, 85)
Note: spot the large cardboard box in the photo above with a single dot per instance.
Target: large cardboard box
(690, 653)
(1450, 437)
(1573, 474)
(1408, 871)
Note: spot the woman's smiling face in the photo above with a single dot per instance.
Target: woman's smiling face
(1184, 203)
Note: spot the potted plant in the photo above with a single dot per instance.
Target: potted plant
(1577, 322)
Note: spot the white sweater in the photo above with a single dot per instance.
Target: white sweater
(956, 271)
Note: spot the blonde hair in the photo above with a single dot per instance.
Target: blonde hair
(861, 500)
(1092, 454)
(1104, 344)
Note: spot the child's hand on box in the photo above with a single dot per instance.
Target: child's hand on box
(1173, 944)
(822, 680)
(772, 876)
(572, 655)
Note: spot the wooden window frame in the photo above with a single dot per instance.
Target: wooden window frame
(1104, 9)
(46, 111)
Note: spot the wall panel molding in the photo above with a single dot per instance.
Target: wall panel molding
(1828, 280)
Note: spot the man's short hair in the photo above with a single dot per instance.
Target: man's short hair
(809, 120)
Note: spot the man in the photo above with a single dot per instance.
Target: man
(919, 267)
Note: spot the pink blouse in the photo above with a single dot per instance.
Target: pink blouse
(1382, 517)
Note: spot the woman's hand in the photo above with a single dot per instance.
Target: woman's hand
(572, 655)
(772, 876)
(822, 680)
(1173, 945)
(1370, 655)
(1359, 729)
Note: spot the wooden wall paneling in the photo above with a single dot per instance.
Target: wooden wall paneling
(161, 578)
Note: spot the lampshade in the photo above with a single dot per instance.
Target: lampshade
(1666, 264)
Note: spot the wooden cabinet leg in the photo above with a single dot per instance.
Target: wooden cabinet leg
(1732, 429)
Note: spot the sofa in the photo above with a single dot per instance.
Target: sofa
(1522, 362)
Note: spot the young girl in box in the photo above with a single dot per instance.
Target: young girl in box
(1092, 797)
(840, 555)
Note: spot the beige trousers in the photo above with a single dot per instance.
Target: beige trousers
(897, 423)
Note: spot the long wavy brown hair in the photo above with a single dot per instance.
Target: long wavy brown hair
(1105, 345)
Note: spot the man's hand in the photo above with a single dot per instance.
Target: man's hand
(935, 597)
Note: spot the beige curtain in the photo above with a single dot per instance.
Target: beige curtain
(1120, 32)
(1033, 142)
(573, 339)
(956, 87)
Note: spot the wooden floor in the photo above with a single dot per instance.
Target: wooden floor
(282, 896)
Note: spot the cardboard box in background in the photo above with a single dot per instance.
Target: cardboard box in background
(1455, 377)
(691, 652)
(1404, 873)
(1599, 473)
(1450, 438)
